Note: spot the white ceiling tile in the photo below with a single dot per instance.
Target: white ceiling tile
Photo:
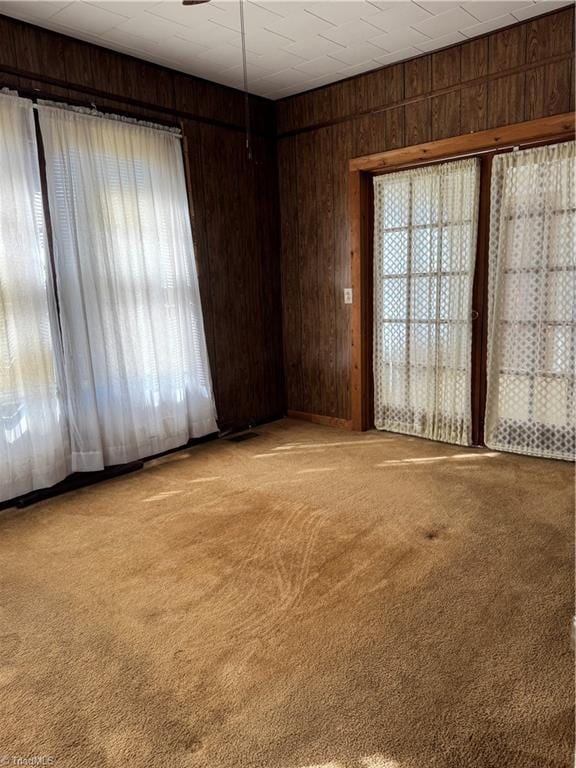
(281, 7)
(278, 60)
(399, 39)
(224, 79)
(483, 10)
(263, 42)
(207, 69)
(541, 6)
(300, 24)
(359, 68)
(188, 16)
(36, 11)
(357, 54)
(352, 32)
(318, 82)
(208, 33)
(291, 91)
(286, 78)
(320, 67)
(226, 55)
(439, 6)
(255, 72)
(400, 16)
(313, 47)
(488, 26)
(89, 18)
(255, 16)
(126, 40)
(152, 27)
(180, 48)
(76, 33)
(405, 53)
(445, 23)
(261, 88)
(383, 5)
(341, 12)
(270, 7)
(124, 7)
(441, 42)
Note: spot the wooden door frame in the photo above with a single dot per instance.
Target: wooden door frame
(361, 172)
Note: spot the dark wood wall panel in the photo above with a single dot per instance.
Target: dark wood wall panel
(473, 108)
(446, 120)
(507, 49)
(446, 68)
(474, 59)
(234, 200)
(508, 76)
(506, 98)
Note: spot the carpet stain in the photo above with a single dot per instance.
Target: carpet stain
(310, 598)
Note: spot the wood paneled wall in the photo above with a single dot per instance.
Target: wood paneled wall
(234, 200)
(509, 76)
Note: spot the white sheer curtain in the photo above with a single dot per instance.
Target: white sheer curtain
(136, 365)
(531, 406)
(33, 430)
(425, 223)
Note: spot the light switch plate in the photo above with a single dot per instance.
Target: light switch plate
(347, 295)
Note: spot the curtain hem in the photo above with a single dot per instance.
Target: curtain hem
(124, 454)
(28, 484)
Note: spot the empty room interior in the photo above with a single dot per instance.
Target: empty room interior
(287, 383)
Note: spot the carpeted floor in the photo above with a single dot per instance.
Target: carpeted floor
(310, 598)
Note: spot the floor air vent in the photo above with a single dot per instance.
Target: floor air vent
(244, 436)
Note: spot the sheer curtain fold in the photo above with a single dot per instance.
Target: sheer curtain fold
(425, 224)
(34, 443)
(135, 358)
(531, 406)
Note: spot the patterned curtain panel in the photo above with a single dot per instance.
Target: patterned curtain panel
(425, 224)
(532, 309)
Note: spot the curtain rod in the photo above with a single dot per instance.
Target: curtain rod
(515, 147)
(96, 113)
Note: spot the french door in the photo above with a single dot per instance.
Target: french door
(425, 225)
(425, 251)
(531, 404)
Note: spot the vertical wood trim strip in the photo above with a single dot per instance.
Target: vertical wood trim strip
(361, 228)
(479, 296)
(357, 389)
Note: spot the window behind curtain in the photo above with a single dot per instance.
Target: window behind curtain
(425, 223)
(531, 405)
(135, 354)
(33, 429)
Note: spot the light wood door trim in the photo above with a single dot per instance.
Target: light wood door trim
(543, 129)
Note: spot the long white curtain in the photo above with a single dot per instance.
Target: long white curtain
(531, 406)
(425, 225)
(135, 359)
(33, 430)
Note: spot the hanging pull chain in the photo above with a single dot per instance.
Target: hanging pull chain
(245, 72)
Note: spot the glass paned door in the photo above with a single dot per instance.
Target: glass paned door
(425, 226)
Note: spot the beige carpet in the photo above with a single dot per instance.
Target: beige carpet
(312, 597)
